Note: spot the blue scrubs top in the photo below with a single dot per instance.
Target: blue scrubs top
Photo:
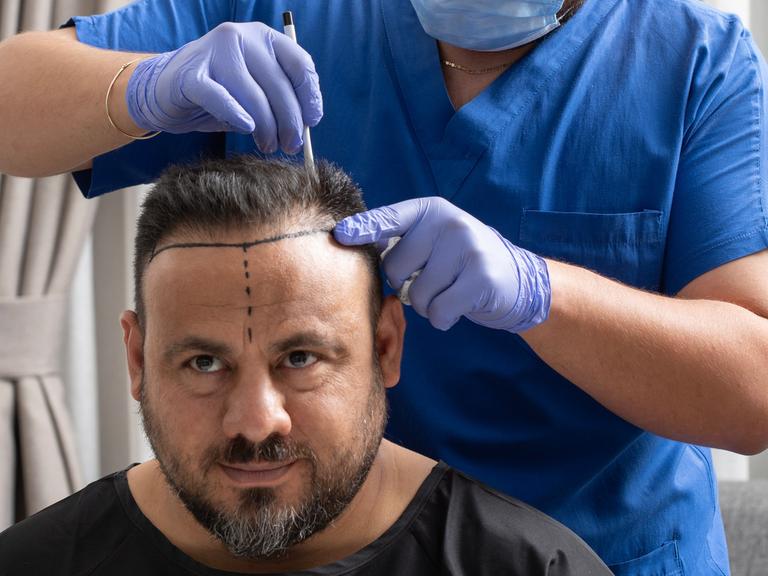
(630, 141)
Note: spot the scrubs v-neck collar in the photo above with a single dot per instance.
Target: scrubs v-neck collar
(453, 141)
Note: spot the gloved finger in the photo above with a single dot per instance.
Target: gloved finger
(219, 103)
(252, 98)
(412, 253)
(299, 68)
(458, 300)
(443, 266)
(285, 108)
(380, 224)
(438, 274)
(265, 69)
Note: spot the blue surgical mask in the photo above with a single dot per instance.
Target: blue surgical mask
(488, 25)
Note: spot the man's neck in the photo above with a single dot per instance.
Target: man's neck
(390, 486)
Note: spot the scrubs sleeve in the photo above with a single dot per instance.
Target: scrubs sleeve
(719, 207)
(149, 26)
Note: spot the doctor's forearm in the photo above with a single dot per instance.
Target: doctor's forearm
(691, 370)
(52, 91)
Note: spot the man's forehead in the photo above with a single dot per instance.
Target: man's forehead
(237, 269)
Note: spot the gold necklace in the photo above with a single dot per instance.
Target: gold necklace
(476, 71)
(565, 16)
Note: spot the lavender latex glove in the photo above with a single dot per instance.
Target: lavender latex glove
(240, 77)
(466, 268)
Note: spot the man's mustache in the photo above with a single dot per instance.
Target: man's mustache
(275, 448)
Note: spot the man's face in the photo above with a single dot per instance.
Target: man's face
(260, 388)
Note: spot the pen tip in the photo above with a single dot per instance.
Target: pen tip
(287, 18)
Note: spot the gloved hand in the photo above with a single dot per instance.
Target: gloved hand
(240, 77)
(467, 268)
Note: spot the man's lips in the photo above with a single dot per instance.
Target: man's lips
(260, 474)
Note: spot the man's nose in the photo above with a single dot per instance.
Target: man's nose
(256, 409)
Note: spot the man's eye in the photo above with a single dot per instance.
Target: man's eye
(299, 359)
(206, 364)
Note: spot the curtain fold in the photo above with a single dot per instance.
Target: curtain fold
(9, 17)
(44, 224)
(44, 227)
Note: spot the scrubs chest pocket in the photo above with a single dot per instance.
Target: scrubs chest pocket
(664, 561)
(627, 247)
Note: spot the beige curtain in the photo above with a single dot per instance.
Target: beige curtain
(43, 226)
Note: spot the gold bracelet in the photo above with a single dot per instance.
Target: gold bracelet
(106, 104)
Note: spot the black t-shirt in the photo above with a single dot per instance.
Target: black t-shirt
(454, 526)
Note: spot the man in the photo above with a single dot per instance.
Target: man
(601, 225)
(260, 351)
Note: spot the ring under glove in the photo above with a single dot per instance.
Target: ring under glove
(465, 268)
(240, 77)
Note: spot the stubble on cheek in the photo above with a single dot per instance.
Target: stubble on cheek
(181, 467)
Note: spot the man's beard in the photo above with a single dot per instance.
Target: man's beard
(262, 527)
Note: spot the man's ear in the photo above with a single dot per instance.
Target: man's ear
(389, 339)
(133, 337)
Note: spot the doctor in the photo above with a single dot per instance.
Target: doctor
(582, 185)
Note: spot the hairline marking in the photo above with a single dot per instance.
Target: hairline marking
(242, 245)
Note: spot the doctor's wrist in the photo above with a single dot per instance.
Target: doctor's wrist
(534, 299)
(118, 106)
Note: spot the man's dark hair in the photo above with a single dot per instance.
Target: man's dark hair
(206, 198)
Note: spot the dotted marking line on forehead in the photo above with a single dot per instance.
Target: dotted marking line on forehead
(242, 245)
(248, 291)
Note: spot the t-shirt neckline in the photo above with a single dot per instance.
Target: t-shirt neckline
(342, 566)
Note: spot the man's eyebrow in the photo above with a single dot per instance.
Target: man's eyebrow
(309, 339)
(199, 344)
